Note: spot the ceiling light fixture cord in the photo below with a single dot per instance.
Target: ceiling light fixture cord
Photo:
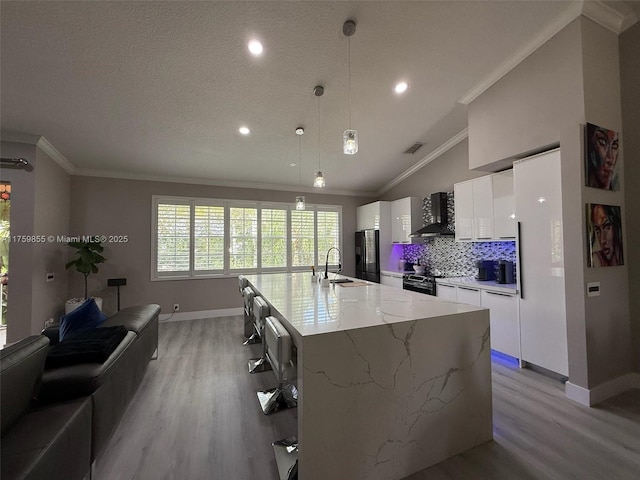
(349, 83)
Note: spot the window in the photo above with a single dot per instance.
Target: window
(196, 238)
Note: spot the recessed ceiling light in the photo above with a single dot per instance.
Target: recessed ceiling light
(401, 87)
(255, 47)
(244, 130)
(292, 164)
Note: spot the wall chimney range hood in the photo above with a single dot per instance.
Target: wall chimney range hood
(440, 218)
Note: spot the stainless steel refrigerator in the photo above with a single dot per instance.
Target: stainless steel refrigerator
(368, 255)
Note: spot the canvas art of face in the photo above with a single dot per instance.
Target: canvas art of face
(606, 235)
(602, 157)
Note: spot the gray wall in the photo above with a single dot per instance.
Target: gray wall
(438, 175)
(629, 81)
(103, 206)
(51, 218)
(544, 101)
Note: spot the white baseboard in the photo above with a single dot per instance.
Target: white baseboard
(590, 397)
(180, 316)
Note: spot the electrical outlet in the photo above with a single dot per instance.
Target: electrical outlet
(48, 323)
(176, 307)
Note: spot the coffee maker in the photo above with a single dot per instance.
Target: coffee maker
(486, 269)
(505, 272)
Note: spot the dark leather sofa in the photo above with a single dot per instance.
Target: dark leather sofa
(78, 407)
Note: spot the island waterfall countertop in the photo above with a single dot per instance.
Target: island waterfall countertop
(389, 381)
(312, 309)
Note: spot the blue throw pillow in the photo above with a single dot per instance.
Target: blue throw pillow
(86, 316)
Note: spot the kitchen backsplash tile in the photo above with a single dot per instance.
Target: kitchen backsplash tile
(455, 259)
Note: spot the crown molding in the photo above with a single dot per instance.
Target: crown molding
(44, 145)
(19, 137)
(446, 146)
(218, 183)
(607, 16)
(572, 12)
(596, 10)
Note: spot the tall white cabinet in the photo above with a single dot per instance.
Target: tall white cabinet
(541, 278)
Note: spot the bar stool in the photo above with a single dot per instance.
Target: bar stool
(248, 295)
(279, 354)
(248, 320)
(260, 312)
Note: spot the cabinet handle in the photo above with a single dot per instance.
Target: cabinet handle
(445, 285)
(469, 289)
(395, 241)
(483, 238)
(508, 237)
(464, 238)
(499, 294)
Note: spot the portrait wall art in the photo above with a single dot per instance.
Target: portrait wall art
(601, 157)
(604, 234)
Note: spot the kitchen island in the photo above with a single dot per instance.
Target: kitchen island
(390, 381)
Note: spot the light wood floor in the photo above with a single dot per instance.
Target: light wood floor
(196, 416)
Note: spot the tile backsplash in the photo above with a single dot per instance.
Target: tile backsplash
(455, 259)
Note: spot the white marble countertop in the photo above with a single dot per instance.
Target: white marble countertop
(481, 284)
(397, 273)
(312, 309)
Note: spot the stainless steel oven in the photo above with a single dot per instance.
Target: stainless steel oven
(420, 283)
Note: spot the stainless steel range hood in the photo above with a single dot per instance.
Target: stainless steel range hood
(440, 216)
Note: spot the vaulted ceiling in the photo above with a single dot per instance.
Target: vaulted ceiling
(160, 89)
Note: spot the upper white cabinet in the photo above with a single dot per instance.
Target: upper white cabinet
(463, 196)
(406, 218)
(504, 206)
(482, 208)
(485, 208)
(373, 216)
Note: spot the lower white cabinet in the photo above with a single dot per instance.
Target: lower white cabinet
(391, 280)
(504, 321)
(446, 292)
(503, 313)
(469, 295)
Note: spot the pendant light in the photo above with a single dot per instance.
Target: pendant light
(350, 136)
(300, 204)
(318, 182)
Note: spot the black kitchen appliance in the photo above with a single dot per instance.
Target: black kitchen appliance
(368, 255)
(486, 269)
(505, 272)
(420, 283)
(440, 215)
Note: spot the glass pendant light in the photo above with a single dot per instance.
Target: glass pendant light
(350, 136)
(300, 204)
(318, 182)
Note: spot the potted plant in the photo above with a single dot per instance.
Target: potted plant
(88, 256)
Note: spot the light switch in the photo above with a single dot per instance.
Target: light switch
(593, 289)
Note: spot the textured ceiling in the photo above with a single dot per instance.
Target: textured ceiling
(159, 89)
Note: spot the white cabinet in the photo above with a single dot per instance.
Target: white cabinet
(463, 197)
(485, 208)
(482, 208)
(503, 309)
(504, 206)
(406, 218)
(468, 295)
(503, 312)
(375, 216)
(446, 292)
(391, 279)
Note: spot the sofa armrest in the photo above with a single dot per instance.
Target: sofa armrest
(52, 333)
